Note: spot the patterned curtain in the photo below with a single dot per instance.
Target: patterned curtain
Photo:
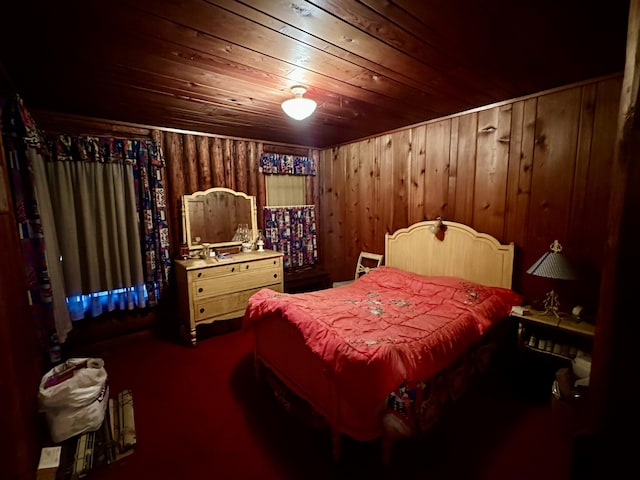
(154, 231)
(292, 231)
(278, 163)
(21, 143)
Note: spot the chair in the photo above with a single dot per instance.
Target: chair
(366, 261)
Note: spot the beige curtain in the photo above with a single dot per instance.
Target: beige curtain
(95, 210)
(52, 249)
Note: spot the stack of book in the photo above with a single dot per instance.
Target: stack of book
(114, 440)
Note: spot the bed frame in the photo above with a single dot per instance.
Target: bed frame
(457, 250)
(462, 253)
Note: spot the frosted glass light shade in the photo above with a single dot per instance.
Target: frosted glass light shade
(298, 108)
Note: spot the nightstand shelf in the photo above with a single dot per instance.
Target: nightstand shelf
(549, 335)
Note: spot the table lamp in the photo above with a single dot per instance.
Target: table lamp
(552, 264)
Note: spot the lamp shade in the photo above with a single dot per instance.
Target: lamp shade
(553, 264)
(298, 108)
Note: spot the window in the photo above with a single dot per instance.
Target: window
(289, 224)
(285, 189)
(109, 213)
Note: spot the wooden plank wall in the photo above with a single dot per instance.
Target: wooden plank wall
(527, 171)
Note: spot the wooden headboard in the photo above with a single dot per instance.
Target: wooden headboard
(462, 253)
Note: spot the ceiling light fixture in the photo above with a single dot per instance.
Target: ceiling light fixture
(298, 108)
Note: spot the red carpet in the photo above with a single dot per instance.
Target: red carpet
(201, 414)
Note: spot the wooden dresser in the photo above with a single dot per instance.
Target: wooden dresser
(210, 290)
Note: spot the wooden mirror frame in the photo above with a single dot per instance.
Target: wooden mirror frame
(214, 210)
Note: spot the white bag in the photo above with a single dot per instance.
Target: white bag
(74, 397)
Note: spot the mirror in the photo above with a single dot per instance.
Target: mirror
(212, 216)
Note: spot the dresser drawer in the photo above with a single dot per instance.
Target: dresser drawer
(236, 282)
(223, 269)
(230, 305)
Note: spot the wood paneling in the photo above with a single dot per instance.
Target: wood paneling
(418, 174)
(367, 188)
(597, 190)
(527, 171)
(437, 148)
(465, 168)
(351, 198)
(519, 176)
(494, 126)
(341, 242)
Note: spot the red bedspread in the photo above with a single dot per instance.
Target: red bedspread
(387, 327)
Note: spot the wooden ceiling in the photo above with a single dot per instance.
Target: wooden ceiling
(224, 66)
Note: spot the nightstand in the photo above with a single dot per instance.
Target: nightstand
(546, 344)
(306, 279)
(547, 334)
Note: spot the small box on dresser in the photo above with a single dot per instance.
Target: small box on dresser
(210, 289)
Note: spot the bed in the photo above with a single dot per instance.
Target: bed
(378, 357)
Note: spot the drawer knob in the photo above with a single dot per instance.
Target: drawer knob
(247, 267)
(233, 269)
(200, 290)
(275, 275)
(202, 310)
(199, 274)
